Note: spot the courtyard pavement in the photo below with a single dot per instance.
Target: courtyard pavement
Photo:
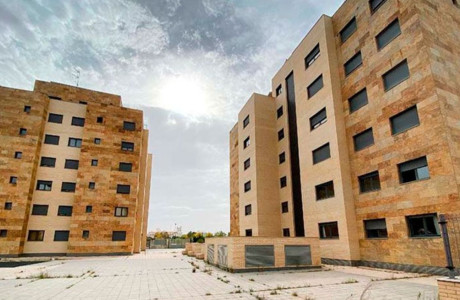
(167, 274)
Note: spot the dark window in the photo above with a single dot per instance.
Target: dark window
(39, 210)
(51, 139)
(247, 186)
(246, 122)
(404, 120)
(121, 211)
(375, 4)
(312, 56)
(258, 256)
(131, 126)
(94, 162)
(17, 154)
(369, 182)
(395, 76)
(423, 225)
(61, 235)
(13, 180)
(282, 158)
(358, 100)
(413, 170)
(127, 146)
(85, 234)
(83, 102)
(123, 189)
(286, 232)
(8, 205)
(315, 86)
(284, 207)
(22, 131)
(55, 98)
(246, 143)
(3, 233)
(68, 187)
(65, 211)
(118, 235)
(353, 63)
(375, 228)
(279, 90)
(44, 185)
(318, 119)
(48, 162)
(279, 112)
(247, 163)
(36, 235)
(325, 190)
(248, 210)
(322, 153)
(281, 134)
(89, 209)
(248, 232)
(92, 185)
(55, 118)
(27, 109)
(73, 142)
(363, 139)
(283, 182)
(76, 121)
(125, 167)
(71, 164)
(99, 119)
(348, 30)
(388, 34)
(328, 230)
(97, 141)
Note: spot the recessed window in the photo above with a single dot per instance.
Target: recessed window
(348, 30)
(283, 182)
(13, 180)
(281, 134)
(375, 4)
(127, 146)
(246, 143)
(100, 120)
(353, 63)
(44, 185)
(64, 211)
(76, 121)
(246, 122)
(328, 230)
(248, 210)
(388, 34)
(55, 98)
(97, 141)
(423, 225)
(74, 142)
(363, 139)
(85, 234)
(282, 158)
(358, 100)
(94, 162)
(68, 187)
(27, 109)
(286, 232)
(279, 112)
(369, 182)
(284, 207)
(18, 155)
(247, 163)
(22, 131)
(8, 206)
(51, 139)
(247, 186)
(404, 120)
(395, 76)
(39, 210)
(318, 119)
(92, 185)
(55, 118)
(123, 189)
(36, 235)
(375, 228)
(71, 164)
(118, 235)
(83, 102)
(315, 86)
(413, 170)
(125, 167)
(48, 162)
(312, 56)
(131, 126)
(121, 211)
(279, 90)
(325, 190)
(61, 235)
(248, 232)
(321, 153)
(3, 233)
(89, 209)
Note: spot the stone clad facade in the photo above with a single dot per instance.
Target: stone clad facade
(83, 211)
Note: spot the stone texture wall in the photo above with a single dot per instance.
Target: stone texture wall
(234, 183)
(449, 289)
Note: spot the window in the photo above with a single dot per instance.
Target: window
(413, 170)
(363, 139)
(55, 118)
(8, 205)
(315, 86)
(27, 109)
(318, 119)
(55, 98)
(89, 209)
(358, 100)
(247, 163)
(246, 143)
(83, 102)
(121, 211)
(51, 139)
(423, 225)
(312, 56)
(73, 142)
(48, 162)
(282, 158)
(375, 228)
(248, 210)
(279, 90)
(123, 189)
(18, 155)
(375, 4)
(85, 234)
(353, 63)
(68, 187)
(279, 112)
(348, 30)
(284, 207)
(125, 167)
(131, 126)
(283, 182)
(281, 134)
(71, 164)
(118, 235)
(97, 141)
(247, 186)
(248, 232)
(92, 185)
(3, 233)
(328, 230)
(127, 146)
(388, 34)
(325, 190)
(94, 162)
(36, 235)
(99, 120)
(286, 232)
(13, 180)
(246, 122)
(322, 153)
(39, 210)
(64, 211)
(22, 131)
(61, 235)
(76, 121)
(44, 185)
(404, 120)
(369, 182)
(396, 75)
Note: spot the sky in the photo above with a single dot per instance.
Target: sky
(190, 65)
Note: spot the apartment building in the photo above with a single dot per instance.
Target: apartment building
(358, 143)
(74, 173)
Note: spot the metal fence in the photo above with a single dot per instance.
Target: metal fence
(166, 243)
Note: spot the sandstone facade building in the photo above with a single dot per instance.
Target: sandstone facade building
(359, 141)
(74, 173)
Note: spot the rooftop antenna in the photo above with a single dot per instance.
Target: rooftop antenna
(76, 74)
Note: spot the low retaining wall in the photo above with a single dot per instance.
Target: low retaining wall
(449, 289)
(195, 249)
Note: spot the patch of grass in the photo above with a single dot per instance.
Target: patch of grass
(251, 279)
(295, 294)
(208, 294)
(274, 292)
(350, 280)
(43, 275)
(194, 270)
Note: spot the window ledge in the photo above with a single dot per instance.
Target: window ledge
(425, 237)
(414, 181)
(368, 192)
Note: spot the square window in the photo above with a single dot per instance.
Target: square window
(315, 86)
(247, 163)
(353, 63)
(329, 230)
(44, 185)
(282, 158)
(363, 139)
(92, 185)
(325, 190)
(405, 120)
(248, 210)
(13, 180)
(39, 210)
(68, 187)
(131, 126)
(318, 119)
(284, 207)
(369, 182)
(123, 189)
(423, 225)
(413, 170)
(97, 141)
(281, 134)
(8, 205)
(125, 167)
(118, 235)
(51, 139)
(3, 232)
(279, 90)
(375, 228)
(312, 56)
(22, 131)
(36, 235)
(89, 209)
(94, 162)
(121, 211)
(388, 34)
(283, 182)
(85, 234)
(71, 164)
(248, 232)
(396, 75)
(27, 109)
(127, 146)
(55, 118)
(99, 120)
(247, 186)
(64, 211)
(348, 30)
(61, 235)
(375, 4)
(74, 142)
(18, 155)
(279, 112)
(246, 122)
(322, 153)
(76, 121)
(49, 162)
(286, 232)
(246, 143)
(358, 100)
